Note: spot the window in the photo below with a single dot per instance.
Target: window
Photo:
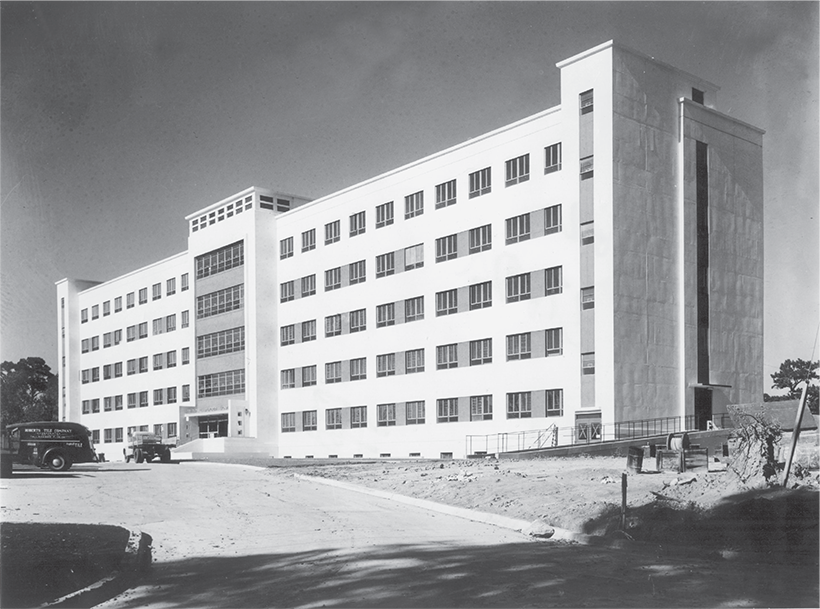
(143, 399)
(414, 412)
(309, 240)
(414, 257)
(447, 410)
(107, 403)
(288, 422)
(587, 167)
(118, 304)
(308, 330)
(333, 279)
(414, 205)
(385, 315)
(285, 248)
(286, 291)
(106, 372)
(519, 346)
(186, 393)
(108, 435)
(333, 372)
(84, 316)
(223, 259)
(170, 286)
(481, 351)
(385, 265)
(172, 430)
(357, 272)
(308, 286)
(384, 214)
(159, 361)
(481, 407)
(518, 170)
(221, 383)
(446, 194)
(171, 394)
(171, 323)
(481, 238)
(158, 326)
(219, 343)
(95, 343)
(185, 321)
(117, 369)
(697, 96)
(587, 233)
(288, 378)
(358, 369)
(86, 345)
(95, 312)
(552, 158)
(106, 340)
(106, 308)
(552, 219)
(143, 295)
(186, 355)
(586, 101)
(518, 287)
(132, 400)
(333, 325)
(386, 415)
(518, 228)
(131, 366)
(588, 297)
(446, 248)
(183, 280)
(142, 330)
(480, 182)
(358, 416)
(447, 356)
(156, 291)
(358, 320)
(554, 280)
(309, 420)
(86, 406)
(333, 231)
(519, 405)
(221, 301)
(333, 418)
(129, 298)
(95, 374)
(386, 364)
(158, 396)
(158, 429)
(117, 337)
(554, 341)
(446, 302)
(308, 376)
(481, 295)
(414, 361)
(357, 224)
(555, 402)
(414, 309)
(588, 363)
(131, 333)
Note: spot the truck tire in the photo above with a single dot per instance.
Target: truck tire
(57, 461)
(138, 456)
(165, 457)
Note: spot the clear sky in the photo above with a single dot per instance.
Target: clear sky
(118, 119)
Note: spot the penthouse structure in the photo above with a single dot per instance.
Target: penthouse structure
(590, 269)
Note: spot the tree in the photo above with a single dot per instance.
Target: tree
(792, 374)
(28, 391)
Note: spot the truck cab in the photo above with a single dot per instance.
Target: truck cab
(47, 444)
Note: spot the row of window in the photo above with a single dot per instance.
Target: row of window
(161, 325)
(519, 405)
(130, 298)
(222, 259)
(230, 382)
(517, 170)
(166, 359)
(137, 399)
(114, 434)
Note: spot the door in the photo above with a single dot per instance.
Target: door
(703, 407)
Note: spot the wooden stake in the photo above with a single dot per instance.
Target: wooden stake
(623, 501)
(801, 407)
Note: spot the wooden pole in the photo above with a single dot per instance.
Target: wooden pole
(801, 407)
(623, 501)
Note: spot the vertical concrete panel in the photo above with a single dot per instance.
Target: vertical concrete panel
(539, 348)
(463, 243)
(345, 370)
(537, 223)
(463, 408)
(586, 128)
(400, 312)
(297, 331)
(398, 260)
(463, 354)
(401, 363)
(463, 299)
(538, 284)
(586, 201)
(401, 409)
(539, 403)
(345, 275)
(299, 421)
(345, 418)
(587, 265)
(587, 391)
(587, 330)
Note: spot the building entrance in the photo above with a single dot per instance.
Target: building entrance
(703, 408)
(215, 426)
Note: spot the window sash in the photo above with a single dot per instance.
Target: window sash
(518, 170)
(552, 158)
(518, 287)
(308, 285)
(357, 272)
(357, 224)
(445, 194)
(333, 418)
(447, 410)
(358, 416)
(384, 214)
(446, 248)
(333, 279)
(414, 205)
(481, 407)
(519, 346)
(414, 309)
(332, 232)
(481, 295)
(481, 351)
(333, 372)
(358, 320)
(386, 415)
(447, 356)
(519, 405)
(480, 182)
(552, 219)
(386, 364)
(554, 280)
(554, 339)
(385, 315)
(414, 361)
(446, 302)
(414, 257)
(309, 240)
(414, 413)
(385, 265)
(333, 325)
(481, 239)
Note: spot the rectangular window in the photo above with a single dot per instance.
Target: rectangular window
(385, 315)
(587, 167)
(309, 420)
(108, 435)
(552, 158)
(86, 375)
(308, 286)
(288, 422)
(118, 304)
(414, 412)
(481, 239)
(106, 340)
(95, 343)
(171, 359)
(414, 257)
(142, 330)
(333, 418)
(222, 383)
(588, 297)
(519, 405)
(519, 346)
(358, 416)
(132, 400)
(285, 248)
(358, 320)
(446, 248)
(288, 378)
(159, 360)
(384, 214)
(333, 325)
(158, 429)
(185, 320)
(86, 406)
(385, 265)
(554, 280)
(143, 399)
(555, 402)
(171, 286)
(86, 345)
(158, 396)
(95, 312)
(481, 295)
(117, 337)
(117, 369)
(447, 356)
(223, 259)
(357, 272)
(333, 231)
(186, 393)
(481, 351)
(221, 301)
(386, 364)
(117, 402)
(333, 372)
(172, 430)
(586, 101)
(183, 280)
(107, 372)
(84, 316)
(446, 302)
(186, 354)
(552, 219)
(481, 407)
(357, 224)
(414, 309)
(129, 298)
(480, 182)
(386, 415)
(588, 363)
(414, 361)
(108, 404)
(106, 308)
(447, 410)
(309, 240)
(158, 327)
(143, 293)
(554, 339)
(156, 291)
(358, 369)
(518, 228)
(218, 343)
(95, 374)
(697, 96)
(446, 194)
(308, 376)
(131, 367)
(518, 170)
(171, 394)
(414, 205)
(518, 287)
(171, 323)
(286, 292)
(308, 330)
(333, 279)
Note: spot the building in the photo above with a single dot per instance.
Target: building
(591, 270)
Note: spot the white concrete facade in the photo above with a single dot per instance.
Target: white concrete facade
(563, 291)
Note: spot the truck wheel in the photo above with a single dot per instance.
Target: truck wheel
(138, 456)
(165, 457)
(128, 458)
(57, 461)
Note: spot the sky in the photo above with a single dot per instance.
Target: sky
(119, 119)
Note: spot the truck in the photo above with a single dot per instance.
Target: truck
(146, 446)
(50, 445)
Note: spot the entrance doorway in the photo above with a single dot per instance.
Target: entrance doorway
(703, 408)
(215, 426)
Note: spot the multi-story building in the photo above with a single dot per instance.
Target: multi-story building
(597, 266)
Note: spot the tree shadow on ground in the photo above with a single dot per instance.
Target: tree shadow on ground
(529, 573)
